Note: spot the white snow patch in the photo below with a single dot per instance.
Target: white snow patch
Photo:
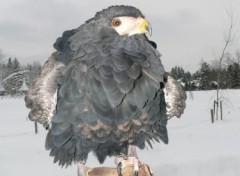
(196, 146)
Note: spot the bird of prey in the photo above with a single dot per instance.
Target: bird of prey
(104, 90)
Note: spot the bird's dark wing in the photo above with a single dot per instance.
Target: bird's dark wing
(40, 98)
(175, 96)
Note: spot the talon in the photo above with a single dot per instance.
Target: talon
(135, 173)
(150, 171)
(119, 169)
(136, 166)
(88, 172)
(46, 126)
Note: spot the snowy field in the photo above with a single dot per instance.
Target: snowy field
(196, 148)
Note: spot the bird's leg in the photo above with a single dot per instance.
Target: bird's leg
(130, 160)
(132, 156)
(82, 170)
(132, 151)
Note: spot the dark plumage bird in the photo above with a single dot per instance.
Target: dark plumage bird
(104, 89)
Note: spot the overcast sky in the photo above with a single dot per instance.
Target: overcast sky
(186, 31)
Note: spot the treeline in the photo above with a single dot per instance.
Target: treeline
(206, 77)
(16, 78)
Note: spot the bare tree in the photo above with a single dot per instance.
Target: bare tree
(1, 66)
(229, 35)
(1, 55)
(238, 56)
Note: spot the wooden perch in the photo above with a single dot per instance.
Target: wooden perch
(127, 171)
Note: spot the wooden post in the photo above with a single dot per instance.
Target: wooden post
(36, 127)
(212, 116)
(214, 107)
(221, 109)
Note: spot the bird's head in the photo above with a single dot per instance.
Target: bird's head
(112, 27)
(125, 20)
(127, 25)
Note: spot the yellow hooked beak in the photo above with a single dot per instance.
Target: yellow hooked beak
(144, 26)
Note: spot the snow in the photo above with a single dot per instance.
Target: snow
(196, 147)
(16, 74)
(1, 87)
(24, 86)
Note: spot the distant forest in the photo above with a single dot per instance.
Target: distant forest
(16, 78)
(206, 77)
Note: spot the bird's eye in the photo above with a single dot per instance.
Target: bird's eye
(116, 22)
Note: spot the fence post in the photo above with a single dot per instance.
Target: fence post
(36, 127)
(221, 109)
(212, 116)
(214, 107)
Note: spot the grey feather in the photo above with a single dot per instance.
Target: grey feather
(113, 93)
(121, 64)
(40, 98)
(106, 72)
(120, 77)
(139, 98)
(175, 96)
(59, 128)
(127, 86)
(134, 71)
(62, 138)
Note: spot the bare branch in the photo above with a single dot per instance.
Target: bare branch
(13, 75)
(229, 36)
(1, 55)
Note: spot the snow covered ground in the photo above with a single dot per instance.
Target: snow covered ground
(196, 148)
